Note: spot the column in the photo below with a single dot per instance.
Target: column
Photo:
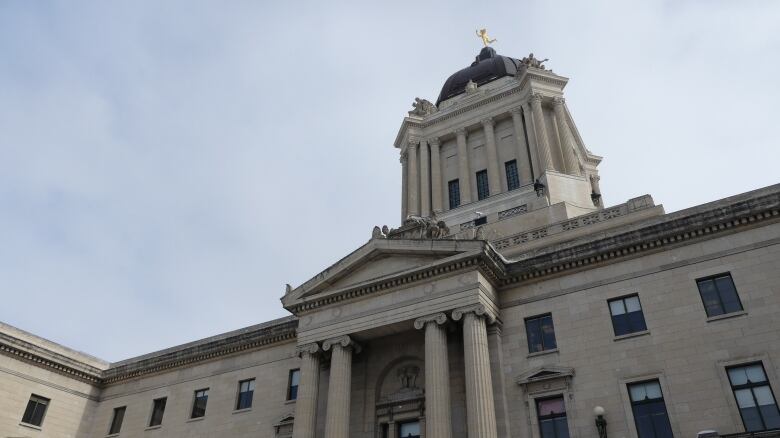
(464, 172)
(340, 385)
(413, 196)
(480, 408)
(494, 176)
(425, 180)
(436, 182)
(523, 153)
(545, 157)
(438, 417)
(308, 388)
(404, 186)
(532, 143)
(567, 142)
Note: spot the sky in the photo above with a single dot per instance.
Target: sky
(167, 167)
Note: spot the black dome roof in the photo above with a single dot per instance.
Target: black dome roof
(487, 67)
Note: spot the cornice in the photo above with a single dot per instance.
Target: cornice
(19, 353)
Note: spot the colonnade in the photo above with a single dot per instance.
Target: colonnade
(480, 408)
(423, 183)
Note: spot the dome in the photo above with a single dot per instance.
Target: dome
(487, 67)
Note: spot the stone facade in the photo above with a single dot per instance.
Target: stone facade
(426, 329)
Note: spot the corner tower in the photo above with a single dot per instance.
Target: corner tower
(499, 151)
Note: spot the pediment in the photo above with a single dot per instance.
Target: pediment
(378, 260)
(539, 374)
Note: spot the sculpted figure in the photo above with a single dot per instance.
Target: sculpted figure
(482, 34)
(422, 107)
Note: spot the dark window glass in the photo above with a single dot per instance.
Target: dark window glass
(116, 422)
(512, 178)
(480, 221)
(158, 409)
(36, 408)
(199, 404)
(552, 418)
(719, 295)
(650, 417)
(755, 399)
(483, 190)
(292, 387)
(454, 190)
(409, 430)
(541, 334)
(627, 316)
(246, 390)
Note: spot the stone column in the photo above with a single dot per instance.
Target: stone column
(480, 407)
(339, 386)
(425, 180)
(414, 193)
(436, 183)
(392, 429)
(308, 388)
(523, 153)
(494, 176)
(438, 417)
(464, 171)
(542, 142)
(567, 142)
(532, 143)
(404, 187)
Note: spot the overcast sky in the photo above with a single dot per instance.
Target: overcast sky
(166, 167)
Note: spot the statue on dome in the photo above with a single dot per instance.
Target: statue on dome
(482, 34)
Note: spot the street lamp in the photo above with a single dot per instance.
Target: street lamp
(601, 423)
(539, 188)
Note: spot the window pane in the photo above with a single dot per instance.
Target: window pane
(755, 373)
(636, 321)
(412, 429)
(752, 419)
(638, 392)
(621, 325)
(764, 396)
(738, 376)
(771, 416)
(551, 406)
(116, 423)
(710, 297)
(744, 398)
(728, 294)
(512, 178)
(29, 411)
(617, 307)
(37, 416)
(652, 420)
(483, 191)
(653, 390)
(547, 428)
(632, 304)
(548, 333)
(454, 192)
(295, 378)
(533, 330)
(252, 385)
(561, 427)
(157, 412)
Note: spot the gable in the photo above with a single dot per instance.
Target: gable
(382, 266)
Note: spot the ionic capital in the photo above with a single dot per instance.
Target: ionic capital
(536, 98)
(438, 318)
(488, 121)
(462, 132)
(558, 101)
(404, 157)
(517, 111)
(310, 349)
(413, 142)
(478, 310)
(345, 341)
(434, 141)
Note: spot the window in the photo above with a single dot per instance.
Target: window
(292, 386)
(541, 334)
(650, 417)
(627, 316)
(719, 295)
(512, 177)
(116, 421)
(409, 430)
(199, 404)
(454, 191)
(483, 190)
(36, 408)
(757, 404)
(482, 220)
(246, 390)
(158, 409)
(552, 418)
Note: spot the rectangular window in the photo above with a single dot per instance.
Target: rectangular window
(719, 295)
(116, 421)
(454, 191)
(541, 334)
(647, 404)
(199, 404)
(158, 409)
(36, 409)
(552, 418)
(409, 430)
(627, 316)
(512, 177)
(292, 386)
(246, 390)
(483, 190)
(755, 399)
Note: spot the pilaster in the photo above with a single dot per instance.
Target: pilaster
(425, 180)
(436, 182)
(414, 190)
(523, 153)
(567, 142)
(464, 170)
(494, 176)
(542, 141)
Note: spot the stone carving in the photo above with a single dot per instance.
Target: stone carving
(287, 288)
(427, 227)
(312, 348)
(439, 318)
(408, 376)
(345, 341)
(471, 87)
(482, 34)
(531, 61)
(422, 107)
(377, 233)
(477, 309)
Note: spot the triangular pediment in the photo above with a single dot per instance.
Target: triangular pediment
(544, 373)
(378, 260)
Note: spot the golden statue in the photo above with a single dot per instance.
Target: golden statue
(482, 33)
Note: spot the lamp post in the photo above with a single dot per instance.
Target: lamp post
(601, 423)
(539, 188)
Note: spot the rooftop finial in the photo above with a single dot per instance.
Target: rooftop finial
(482, 34)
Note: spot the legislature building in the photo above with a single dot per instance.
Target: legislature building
(513, 300)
